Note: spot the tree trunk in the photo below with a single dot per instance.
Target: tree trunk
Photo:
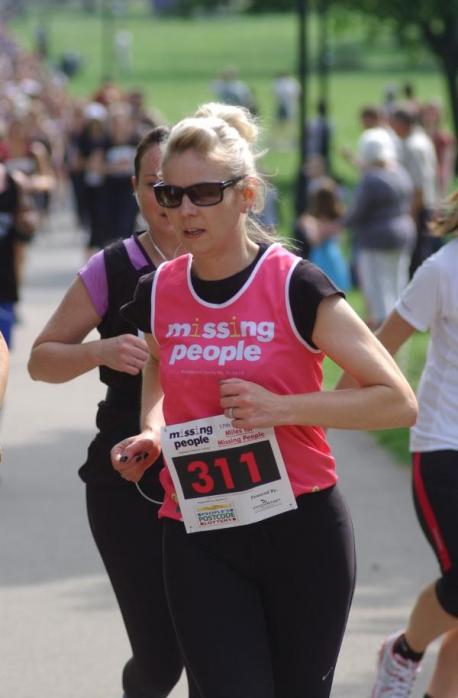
(451, 78)
(445, 45)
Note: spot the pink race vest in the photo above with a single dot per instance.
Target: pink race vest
(251, 336)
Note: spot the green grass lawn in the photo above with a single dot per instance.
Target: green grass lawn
(175, 61)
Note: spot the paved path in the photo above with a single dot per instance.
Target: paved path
(60, 631)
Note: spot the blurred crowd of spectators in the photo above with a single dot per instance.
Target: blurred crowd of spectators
(405, 159)
(48, 138)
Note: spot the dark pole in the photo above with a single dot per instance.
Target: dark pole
(106, 40)
(323, 81)
(323, 60)
(301, 186)
(302, 76)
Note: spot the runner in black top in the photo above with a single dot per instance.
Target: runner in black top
(125, 526)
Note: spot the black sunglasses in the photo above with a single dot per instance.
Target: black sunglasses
(201, 194)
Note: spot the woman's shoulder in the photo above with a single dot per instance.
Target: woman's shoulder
(394, 179)
(95, 265)
(174, 268)
(446, 257)
(307, 278)
(438, 268)
(145, 282)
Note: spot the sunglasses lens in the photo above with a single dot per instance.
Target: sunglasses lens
(168, 196)
(202, 194)
(206, 193)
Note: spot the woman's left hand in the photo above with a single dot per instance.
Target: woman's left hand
(249, 405)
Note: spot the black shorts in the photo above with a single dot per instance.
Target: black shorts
(435, 492)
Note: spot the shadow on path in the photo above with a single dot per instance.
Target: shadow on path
(44, 535)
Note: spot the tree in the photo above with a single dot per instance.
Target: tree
(433, 21)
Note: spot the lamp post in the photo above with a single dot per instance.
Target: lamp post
(106, 44)
(323, 82)
(302, 74)
(301, 186)
(323, 51)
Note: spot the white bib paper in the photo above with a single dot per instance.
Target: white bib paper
(225, 477)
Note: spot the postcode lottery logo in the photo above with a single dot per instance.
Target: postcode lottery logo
(235, 335)
(214, 514)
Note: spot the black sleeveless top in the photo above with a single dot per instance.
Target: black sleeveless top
(118, 416)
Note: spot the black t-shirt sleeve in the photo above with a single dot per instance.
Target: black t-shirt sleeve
(138, 310)
(308, 286)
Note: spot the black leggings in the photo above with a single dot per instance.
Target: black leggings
(260, 610)
(128, 535)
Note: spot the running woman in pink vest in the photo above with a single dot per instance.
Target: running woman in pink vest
(124, 525)
(259, 557)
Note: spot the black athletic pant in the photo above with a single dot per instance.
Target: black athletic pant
(260, 610)
(129, 538)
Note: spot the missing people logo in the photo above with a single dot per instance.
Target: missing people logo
(239, 340)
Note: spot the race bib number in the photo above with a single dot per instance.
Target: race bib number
(223, 476)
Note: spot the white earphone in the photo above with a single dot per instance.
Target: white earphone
(135, 195)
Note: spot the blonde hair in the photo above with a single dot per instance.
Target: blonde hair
(226, 135)
(446, 221)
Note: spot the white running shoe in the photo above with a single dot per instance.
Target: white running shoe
(395, 674)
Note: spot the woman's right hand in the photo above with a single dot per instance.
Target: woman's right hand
(126, 353)
(132, 456)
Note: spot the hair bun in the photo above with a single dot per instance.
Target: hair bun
(239, 118)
